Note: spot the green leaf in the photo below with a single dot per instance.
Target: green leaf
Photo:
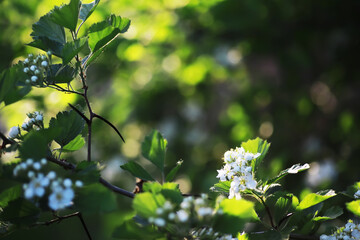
(95, 198)
(236, 213)
(222, 187)
(87, 9)
(281, 203)
(146, 203)
(12, 84)
(102, 33)
(256, 146)
(354, 207)
(72, 48)
(48, 35)
(313, 199)
(131, 230)
(20, 211)
(154, 148)
(71, 125)
(10, 194)
(66, 15)
(35, 145)
(58, 73)
(293, 170)
(75, 144)
(172, 173)
(330, 213)
(271, 235)
(137, 171)
(174, 196)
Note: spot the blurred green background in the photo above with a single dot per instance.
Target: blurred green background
(209, 75)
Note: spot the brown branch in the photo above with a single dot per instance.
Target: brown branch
(79, 112)
(110, 124)
(58, 219)
(70, 166)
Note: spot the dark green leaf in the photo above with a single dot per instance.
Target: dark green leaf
(293, 170)
(58, 73)
(154, 148)
(88, 172)
(66, 15)
(71, 125)
(45, 28)
(12, 84)
(71, 49)
(271, 189)
(35, 145)
(87, 9)
(10, 194)
(330, 213)
(47, 44)
(137, 171)
(102, 33)
(20, 211)
(172, 173)
(95, 198)
(268, 235)
(354, 207)
(75, 144)
(146, 203)
(236, 213)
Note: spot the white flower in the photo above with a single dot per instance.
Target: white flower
(182, 215)
(33, 68)
(67, 182)
(31, 174)
(26, 60)
(43, 161)
(199, 201)
(159, 211)
(79, 183)
(160, 222)
(222, 175)
(204, 211)
(44, 63)
(357, 194)
(51, 175)
(355, 234)
(61, 198)
(185, 204)
(171, 216)
(26, 70)
(29, 161)
(24, 126)
(39, 118)
(34, 78)
(14, 132)
(37, 165)
(37, 72)
(36, 187)
(23, 165)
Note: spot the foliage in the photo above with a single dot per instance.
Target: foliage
(159, 208)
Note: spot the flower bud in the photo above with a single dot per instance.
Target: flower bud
(44, 63)
(33, 68)
(14, 132)
(34, 78)
(26, 70)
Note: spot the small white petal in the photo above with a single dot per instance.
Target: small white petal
(79, 183)
(44, 63)
(43, 161)
(37, 165)
(29, 193)
(14, 132)
(51, 175)
(160, 222)
(67, 182)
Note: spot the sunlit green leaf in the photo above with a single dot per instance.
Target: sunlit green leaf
(66, 15)
(223, 187)
(154, 148)
(172, 173)
(75, 144)
(236, 213)
(330, 213)
(102, 33)
(71, 49)
(313, 199)
(354, 207)
(87, 9)
(146, 203)
(137, 171)
(256, 146)
(71, 125)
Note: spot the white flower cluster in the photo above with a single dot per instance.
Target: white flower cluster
(61, 192)
(357, 194)
(350, 231)
(35, 67)
(191, 210)
(238, 171)
(35, 122)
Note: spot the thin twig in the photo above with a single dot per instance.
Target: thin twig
(110, 124)
(267, 210)
(80, 113)
(84, 225)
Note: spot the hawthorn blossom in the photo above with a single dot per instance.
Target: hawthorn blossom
(14, 132)
(61, 198)
(350, 231)
(36, 187)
